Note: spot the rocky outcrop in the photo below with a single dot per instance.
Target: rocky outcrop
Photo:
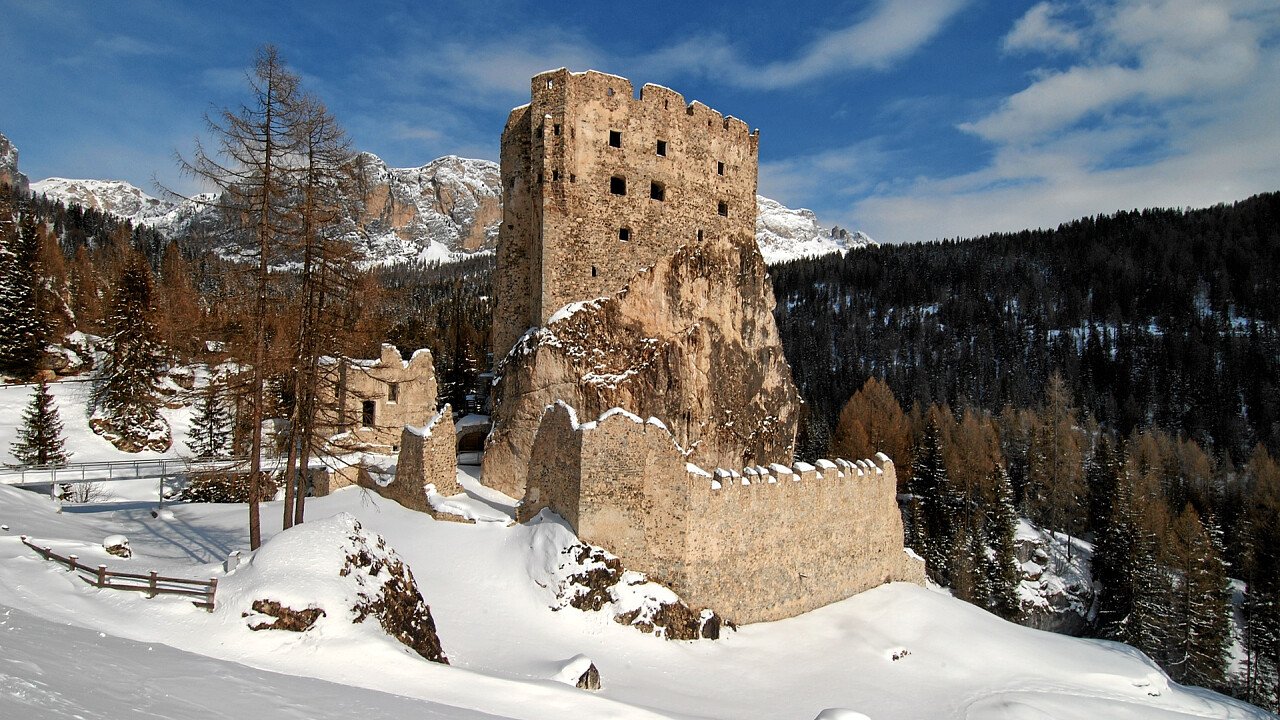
(9, 173)
(690, 341)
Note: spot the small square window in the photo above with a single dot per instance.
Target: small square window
(555, 130)
(550, 84)
(609, 92)
(615, 138)
(723, 208)
(719, 168)
(699, 236)
(618, 185)
(393, 392)
(657, 190)
(624, 234)
(573, 178)
(593, 271)
(662, 148)
(555, 176)
(367, 409)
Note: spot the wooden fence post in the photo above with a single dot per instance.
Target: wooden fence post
(151, 585)
(102, 576)
(213, 589)
(72, 565)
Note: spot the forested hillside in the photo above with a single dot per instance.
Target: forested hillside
(1158, 318)
(1116, 380)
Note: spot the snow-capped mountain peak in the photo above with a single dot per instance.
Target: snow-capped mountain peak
(115, 197)
(786, 234)
(445, 210)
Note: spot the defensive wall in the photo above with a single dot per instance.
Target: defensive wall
(599, 183)
(755, 545)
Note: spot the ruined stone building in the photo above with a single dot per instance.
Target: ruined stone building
(386, 406)
(629, 285)
(366, 403)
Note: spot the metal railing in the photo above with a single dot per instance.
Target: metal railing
(111, 470)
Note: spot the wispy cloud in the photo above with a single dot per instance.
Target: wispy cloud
(1041, 29)
(891, 31)
(1173, 104)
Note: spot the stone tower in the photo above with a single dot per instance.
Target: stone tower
(599, 184)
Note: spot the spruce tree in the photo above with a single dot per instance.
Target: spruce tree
(1201, 627)
(40, 440)
(935, 525)
(126, 409)
(210, 434)
(999, 567)
(22, 338)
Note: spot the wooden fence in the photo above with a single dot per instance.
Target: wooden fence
(154, 584)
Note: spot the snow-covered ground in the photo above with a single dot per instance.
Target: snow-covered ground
(899, 651)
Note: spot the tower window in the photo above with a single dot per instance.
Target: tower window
(367, 409)
(393, 392)
(593, 271)
(573, 178)
(555, 176)
(657, 190)
(609, 92)
(618, 185)
(615, 138)
(719, 168)
(555, 130)
(624, 234)
(699, 235)
(662, 148)
(722, 207)
(550, 83)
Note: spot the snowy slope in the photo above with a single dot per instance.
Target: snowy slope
(898, 651)
(506, 643)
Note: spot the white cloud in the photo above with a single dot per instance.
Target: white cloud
(893, 30)
(1175, 105)
(1040, 29)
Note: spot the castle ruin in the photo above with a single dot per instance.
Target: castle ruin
(629, 285)
(598, 184)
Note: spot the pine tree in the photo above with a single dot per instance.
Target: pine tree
(1201, 605)
(210, 434)
(40, 440)
(22, 338)
(930, 487)
(126, 409)
(999, 567)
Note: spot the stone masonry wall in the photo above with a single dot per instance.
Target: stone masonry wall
(757, 545)
(568, 234)
(427, 456)
(402, 393)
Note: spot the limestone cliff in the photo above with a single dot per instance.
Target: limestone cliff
(690, 341)
(9, 173)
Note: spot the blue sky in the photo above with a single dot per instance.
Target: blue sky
(908, 119)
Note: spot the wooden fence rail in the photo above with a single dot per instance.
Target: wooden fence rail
(156, 584)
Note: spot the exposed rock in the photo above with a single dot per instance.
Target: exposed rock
(9, 173)
(339, 574)
(117, 545)
(396, 602)
(286, 618)
(590, 678)
(134, 438)
(591, 579)
(691, 341)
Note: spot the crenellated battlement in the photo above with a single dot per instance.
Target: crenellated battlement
(624, 483)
